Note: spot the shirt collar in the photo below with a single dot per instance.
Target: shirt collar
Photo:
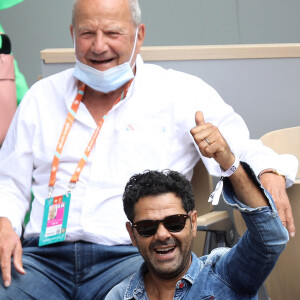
(139, 65)
(136, 286)
(193, 270)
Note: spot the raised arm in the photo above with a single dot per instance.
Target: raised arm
(252, 259)
(212, 144)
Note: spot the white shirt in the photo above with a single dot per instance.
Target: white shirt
(149, 129)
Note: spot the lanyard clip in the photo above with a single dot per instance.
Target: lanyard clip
(50, 189)
(71, 185)
(215, 195)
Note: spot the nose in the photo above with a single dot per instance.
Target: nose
(99, 44)
(162, 233)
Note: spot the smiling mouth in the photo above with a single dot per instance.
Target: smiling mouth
(100, 62)
(165, 250)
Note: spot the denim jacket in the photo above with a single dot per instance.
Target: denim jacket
(225, 274)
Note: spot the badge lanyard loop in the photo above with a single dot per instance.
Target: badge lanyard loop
(65, 132)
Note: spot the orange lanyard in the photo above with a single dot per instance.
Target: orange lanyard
(65, 132)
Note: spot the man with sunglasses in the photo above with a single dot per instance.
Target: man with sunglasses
(76, 139)
(163, 224)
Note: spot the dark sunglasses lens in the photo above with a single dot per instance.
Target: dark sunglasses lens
(146, 228)
(175, 223)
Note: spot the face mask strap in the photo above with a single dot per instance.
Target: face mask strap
(74, 38)
(135, 41)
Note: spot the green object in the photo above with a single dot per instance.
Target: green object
(27, 216)
(21, 84)
(9, 3)
(1, 31)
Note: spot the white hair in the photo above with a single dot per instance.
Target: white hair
(135, 12)
(134, 7)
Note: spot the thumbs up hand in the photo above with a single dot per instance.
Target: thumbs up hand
(211, 142)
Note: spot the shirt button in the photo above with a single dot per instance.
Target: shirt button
(181, 285)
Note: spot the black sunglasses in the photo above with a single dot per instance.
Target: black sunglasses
(173, 223)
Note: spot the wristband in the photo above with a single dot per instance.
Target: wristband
(232, 169)
(273, 171)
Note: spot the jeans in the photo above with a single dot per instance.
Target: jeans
(77, 270)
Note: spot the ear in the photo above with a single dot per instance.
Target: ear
(140, 37)
(130, 231)
(194, 222)
(72, 32)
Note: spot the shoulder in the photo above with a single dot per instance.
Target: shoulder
(172, 75)
(214, 256)
(130, 288)
(158, 74)
(176, 85)
(118, 291)
(53, 88)
(59, 81)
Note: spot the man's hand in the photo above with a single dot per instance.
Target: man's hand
(211, 142)
(275, 184)
(10, 246)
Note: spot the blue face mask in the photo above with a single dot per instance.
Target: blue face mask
(108, 80)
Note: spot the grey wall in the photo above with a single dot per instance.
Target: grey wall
(34, 25)
(38, 24)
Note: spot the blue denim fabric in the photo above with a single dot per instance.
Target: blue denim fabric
(226, 274)
(78, 270)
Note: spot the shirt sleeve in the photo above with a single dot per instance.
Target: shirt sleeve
(16, 166)
(251, 260)
(236, 133)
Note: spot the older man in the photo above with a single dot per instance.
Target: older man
(77, 138)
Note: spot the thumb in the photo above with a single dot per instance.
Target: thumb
(199, 119)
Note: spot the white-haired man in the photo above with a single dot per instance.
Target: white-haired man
(89, 129)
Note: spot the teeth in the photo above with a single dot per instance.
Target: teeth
(165, 249)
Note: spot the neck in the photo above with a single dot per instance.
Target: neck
(99, 103)
(91, 93)
(158, 288)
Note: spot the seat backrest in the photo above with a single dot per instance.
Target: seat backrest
(203, 186)
(283, 141)
(283, 282)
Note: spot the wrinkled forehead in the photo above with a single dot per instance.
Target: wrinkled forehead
(101, 10)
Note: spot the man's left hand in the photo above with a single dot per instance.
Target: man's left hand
(275, 185)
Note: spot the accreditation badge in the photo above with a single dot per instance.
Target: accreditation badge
(55, 220)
